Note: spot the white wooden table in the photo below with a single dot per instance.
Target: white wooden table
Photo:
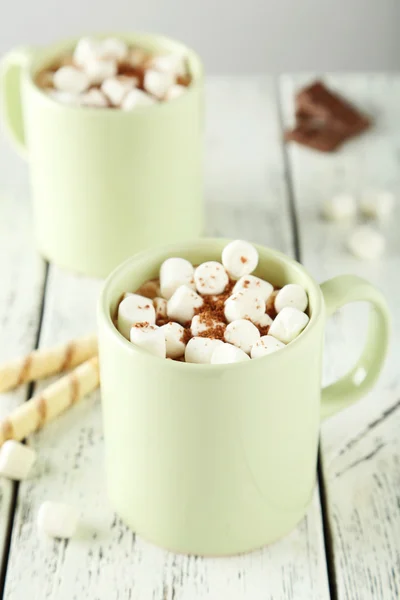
(348, 545)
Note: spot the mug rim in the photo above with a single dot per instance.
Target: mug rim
(104, 314)
(43, 54)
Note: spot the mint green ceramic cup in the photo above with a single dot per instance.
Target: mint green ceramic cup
(106, 182)
(221, 459)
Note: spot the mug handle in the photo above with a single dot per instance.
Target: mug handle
(11, 68)
(337, 292)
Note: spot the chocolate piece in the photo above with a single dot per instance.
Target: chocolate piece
(320, 138)
(317, 102)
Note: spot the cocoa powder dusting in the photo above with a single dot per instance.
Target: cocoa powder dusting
(270, 306)
(211, 313)
(263, 330)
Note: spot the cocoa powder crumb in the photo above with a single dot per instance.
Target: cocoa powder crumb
(186, 335)
(270, 307)
(263, 330)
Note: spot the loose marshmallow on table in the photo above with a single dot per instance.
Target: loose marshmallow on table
(160, 306)
(57, 520)
(341, 207)
(227, 353)
(288, 324)
(201, 323)
(157, 83)
(16, 460)
(174, 336)
(134, 309)
(378, 205)
(71, 79)
(239, 258)
(94, 98)
(293, 295)
(199, 350)
(243, 334)
(175, 91)
(182, 304)
(210, 278)
(247, 304)
(250, 282)
(266, 345)
(116, 88)
(366, 243)
(97, 70)
(175, 272)
(136, 98)
(150, 337)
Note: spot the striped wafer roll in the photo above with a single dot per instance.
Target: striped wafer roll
(47, 405)
(43, 363)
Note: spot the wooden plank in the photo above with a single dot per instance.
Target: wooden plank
(361, 446)
(107, 561)
(22, 275)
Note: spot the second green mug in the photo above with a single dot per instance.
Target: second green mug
(106, 183)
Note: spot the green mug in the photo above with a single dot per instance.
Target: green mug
(221, 459)
(106, 183)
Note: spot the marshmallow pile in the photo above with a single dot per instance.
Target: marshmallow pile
(109, 73)
(364, 241)
(216, 312)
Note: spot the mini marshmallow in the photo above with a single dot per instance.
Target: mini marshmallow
(116, 88)
(341, 207)
(182, 304)
(293, 295)
(86, 50)
(160, 306)
(239, 258)
(94, 98)
(226, 353)
(264, 321)
(65, 97)
(250, 282)
(243, 334)
(71, 79)
(97, 70)
(134, 309)
(378, 205)
(175, 272)
(201, 324)
(288, 324)
(244, 305)
(266, 345)
(169, 63)
(136, 98)
(366, 243)
(157, 83)
(16, 460)
(137, 57)
(199, 350)
(174, 336)
(175, 91)
(57, 520)
(210, 278)
(150, 338)
(113, 49)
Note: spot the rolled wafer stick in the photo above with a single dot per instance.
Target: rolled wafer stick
(42, 363)
(47, 405)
